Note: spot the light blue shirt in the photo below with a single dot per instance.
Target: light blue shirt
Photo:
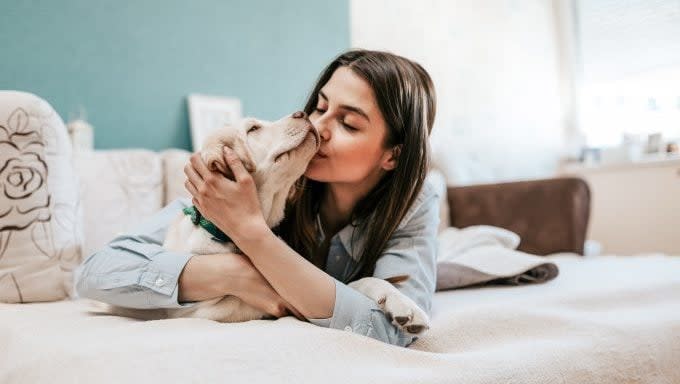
(134, 270)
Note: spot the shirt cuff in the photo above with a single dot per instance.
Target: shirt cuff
(161, 277)
(355, 312)
(345, 309)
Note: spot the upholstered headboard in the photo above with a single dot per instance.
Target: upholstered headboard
(549, 215)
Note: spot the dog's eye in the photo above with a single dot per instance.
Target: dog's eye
(253, 128)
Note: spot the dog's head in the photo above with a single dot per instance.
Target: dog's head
(275, 153)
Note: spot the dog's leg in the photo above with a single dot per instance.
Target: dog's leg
(403, 312)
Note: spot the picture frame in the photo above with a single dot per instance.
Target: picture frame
(208, 113)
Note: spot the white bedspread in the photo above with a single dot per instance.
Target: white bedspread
(602, 320)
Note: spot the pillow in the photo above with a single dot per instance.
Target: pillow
(174, 161)
(40, 215)
(119, 189)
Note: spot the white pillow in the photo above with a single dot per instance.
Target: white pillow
(40, 214)
(119, 189)
(174, 161)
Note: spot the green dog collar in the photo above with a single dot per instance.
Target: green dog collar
(198, 219)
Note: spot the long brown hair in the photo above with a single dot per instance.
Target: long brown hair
(406, 98)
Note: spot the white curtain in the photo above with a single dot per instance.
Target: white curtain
(496, 68)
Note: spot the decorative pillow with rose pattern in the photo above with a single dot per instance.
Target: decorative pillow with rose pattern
(40, 214)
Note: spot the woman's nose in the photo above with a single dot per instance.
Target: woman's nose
(299, 115)
(322, 127)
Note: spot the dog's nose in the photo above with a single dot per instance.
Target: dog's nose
(299, 115)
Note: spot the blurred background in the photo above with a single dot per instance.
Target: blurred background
(526, 89)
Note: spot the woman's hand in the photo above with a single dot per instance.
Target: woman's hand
(207, 277)
(232, 205)
(255, 291)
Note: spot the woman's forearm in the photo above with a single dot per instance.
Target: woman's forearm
(207, 277)
(307, 288)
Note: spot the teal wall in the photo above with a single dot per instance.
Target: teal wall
(131, 64)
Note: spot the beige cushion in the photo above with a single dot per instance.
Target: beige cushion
(40, 218)
(174, 161)
(119, 188)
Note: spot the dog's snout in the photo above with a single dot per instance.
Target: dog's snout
(299, 115)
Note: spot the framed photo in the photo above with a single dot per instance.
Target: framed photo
(208, 113)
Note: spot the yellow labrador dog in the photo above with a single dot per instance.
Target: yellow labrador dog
(276, 154)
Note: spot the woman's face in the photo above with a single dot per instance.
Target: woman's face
(352, 131)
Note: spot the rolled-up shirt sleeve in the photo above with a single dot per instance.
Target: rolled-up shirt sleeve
(133, 270)
(410, 251)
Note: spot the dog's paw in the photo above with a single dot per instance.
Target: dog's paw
(404, 313)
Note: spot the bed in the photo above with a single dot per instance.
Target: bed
(605, 319)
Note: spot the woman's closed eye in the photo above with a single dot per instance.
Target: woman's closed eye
(345, 125)
(348, 127)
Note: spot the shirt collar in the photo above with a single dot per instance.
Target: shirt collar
(355, 245)
(352, 245)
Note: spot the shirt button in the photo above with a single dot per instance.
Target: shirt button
(160, 281)
(348, 328)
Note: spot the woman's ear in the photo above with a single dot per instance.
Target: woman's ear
(391, 158)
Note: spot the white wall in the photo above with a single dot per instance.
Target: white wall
(496, 68)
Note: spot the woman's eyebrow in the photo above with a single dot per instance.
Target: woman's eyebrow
(348, 107)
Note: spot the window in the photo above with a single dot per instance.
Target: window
(629, 69)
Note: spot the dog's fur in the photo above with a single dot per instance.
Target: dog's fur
(276, 154)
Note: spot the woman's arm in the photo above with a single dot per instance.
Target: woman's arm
(292, 276)
(208, 276)
(307, 288)
(134, 270)
(410, 251)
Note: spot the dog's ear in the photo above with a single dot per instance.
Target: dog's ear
(213, 149)
(220, 165)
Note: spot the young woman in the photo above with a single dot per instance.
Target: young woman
(364, 208)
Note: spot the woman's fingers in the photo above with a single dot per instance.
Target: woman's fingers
(235, 164)
(282, 308)
(262, 296)
(255, 290)
(295, 312)
(192, 176)
(272, 306)
(190, 187)
(197, 204)
(199, 166)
